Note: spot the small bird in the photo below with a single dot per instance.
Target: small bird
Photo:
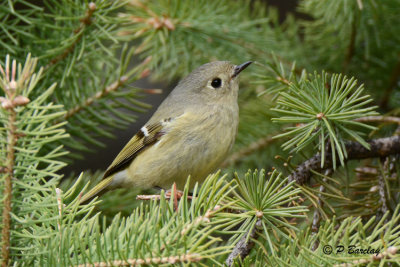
(190, 133)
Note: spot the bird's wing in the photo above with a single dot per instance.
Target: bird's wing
(147, 136)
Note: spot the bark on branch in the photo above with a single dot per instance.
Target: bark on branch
(6, 214)
(85, 21)
(381, 147)
(243, 247)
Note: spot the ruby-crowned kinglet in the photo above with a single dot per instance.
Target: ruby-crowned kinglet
(191, 133)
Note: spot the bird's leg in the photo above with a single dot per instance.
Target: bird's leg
(168, 194)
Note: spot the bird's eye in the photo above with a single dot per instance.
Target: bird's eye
(216, 82)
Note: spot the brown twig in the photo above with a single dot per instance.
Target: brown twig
(392, 83)
(85, 21)
(382, 186)
(108, 89)
(244, 245)
(156, 21)
(387, 119)
(382, 194)
(9, 103)
(12, 99)
(380, 147)
(156, 197)
(6, 223)
(148, 197)
(147, 261)
(238, 156)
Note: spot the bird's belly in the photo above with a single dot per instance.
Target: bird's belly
(162, 164)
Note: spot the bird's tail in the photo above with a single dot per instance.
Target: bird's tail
(97, 189)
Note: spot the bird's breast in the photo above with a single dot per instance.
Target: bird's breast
(193, 144)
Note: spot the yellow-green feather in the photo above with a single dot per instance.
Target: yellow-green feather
(134, 147)
(125, 157)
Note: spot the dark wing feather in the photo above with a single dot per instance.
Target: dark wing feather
(139, 142)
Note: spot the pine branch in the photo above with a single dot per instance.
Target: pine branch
(245, 244)
(5, 233)
(164, 27)
(112, 88)
(187, 258)
(380, 147)
(9, 103)
(302, 106)
(167, 236)
(108, 89)
(25, 129)
(388, 119)
(85, 21)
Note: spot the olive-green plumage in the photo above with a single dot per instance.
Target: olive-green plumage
(191, 133)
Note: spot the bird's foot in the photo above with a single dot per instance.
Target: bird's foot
(170, 193)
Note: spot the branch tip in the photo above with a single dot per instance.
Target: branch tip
(380, 147)
(92, 6)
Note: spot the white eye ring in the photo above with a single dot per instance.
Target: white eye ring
(215, 83)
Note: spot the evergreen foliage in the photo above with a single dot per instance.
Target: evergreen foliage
(310, 108)
(324, 109)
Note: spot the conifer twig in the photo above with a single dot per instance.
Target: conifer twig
(155, 197)
(85, 21)
(108, 89)
(147, 261)
(6, 223)
(244, 245)
(389, 119)
(9, 103)
(380, 147)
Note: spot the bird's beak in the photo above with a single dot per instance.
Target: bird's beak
(240, 67)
